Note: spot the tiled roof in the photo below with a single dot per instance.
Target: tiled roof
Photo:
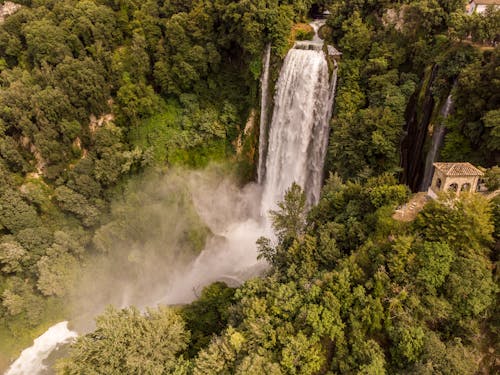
(458, 169)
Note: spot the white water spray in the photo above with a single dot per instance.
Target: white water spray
(298, 138)
(30, 362)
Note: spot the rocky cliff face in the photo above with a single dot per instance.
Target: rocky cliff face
(424, 132)
(418, 116)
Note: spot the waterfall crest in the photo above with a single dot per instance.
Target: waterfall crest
(298, 134)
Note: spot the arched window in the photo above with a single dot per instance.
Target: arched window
(438, 183)
(465, 187)
(453, 187)
(480, 184)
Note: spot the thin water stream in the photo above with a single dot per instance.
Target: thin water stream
(436, 143)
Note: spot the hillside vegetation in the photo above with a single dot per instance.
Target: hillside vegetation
(102, 100)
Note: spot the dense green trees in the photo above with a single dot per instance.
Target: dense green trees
(395, 298)
(473, 131)
(386, 48)
(94, 91)
(127, 341)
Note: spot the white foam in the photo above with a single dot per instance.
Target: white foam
(30, 362)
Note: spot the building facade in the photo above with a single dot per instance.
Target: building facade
(457, 177)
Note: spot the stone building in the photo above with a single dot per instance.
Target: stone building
(455, 177)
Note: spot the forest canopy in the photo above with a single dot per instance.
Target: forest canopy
(101, 99)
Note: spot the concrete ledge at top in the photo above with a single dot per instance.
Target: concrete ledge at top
(317, 46)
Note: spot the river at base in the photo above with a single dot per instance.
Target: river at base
(46, 349)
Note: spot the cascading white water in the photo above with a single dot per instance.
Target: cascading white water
(298, 138)
(320, 145)
(299, 129)
(30, 361)
(264, 95)
(437, 141)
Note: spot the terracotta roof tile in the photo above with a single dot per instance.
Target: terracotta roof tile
(458, 169)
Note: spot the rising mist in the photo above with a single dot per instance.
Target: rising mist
(169, 235)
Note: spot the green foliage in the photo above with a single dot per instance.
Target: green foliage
(466, 225)
(387, 304)
(92, 92)
(83, 89)
(188, 134)
(13, 257)
(357, 37)
(386, 47)
(126, 341)
(492, 178)
(351, 206)
(208, 315)
(77, 204)
(289, 220)
(58, 269)
(17, 332)
(15, 213)
(451, 358)
(435, 260)
(492, 122)
(473, 133)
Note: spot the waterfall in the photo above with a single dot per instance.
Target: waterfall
(264, 88)
(298, 134)
(31, 360)
(296, 149)
(437, 141)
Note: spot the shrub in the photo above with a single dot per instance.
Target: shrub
(302, 31)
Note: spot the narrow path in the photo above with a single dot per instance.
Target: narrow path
(410, 210)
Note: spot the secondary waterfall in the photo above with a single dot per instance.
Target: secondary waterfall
(298, 135)
(296, 147)
(264, 95)
(437, 141)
